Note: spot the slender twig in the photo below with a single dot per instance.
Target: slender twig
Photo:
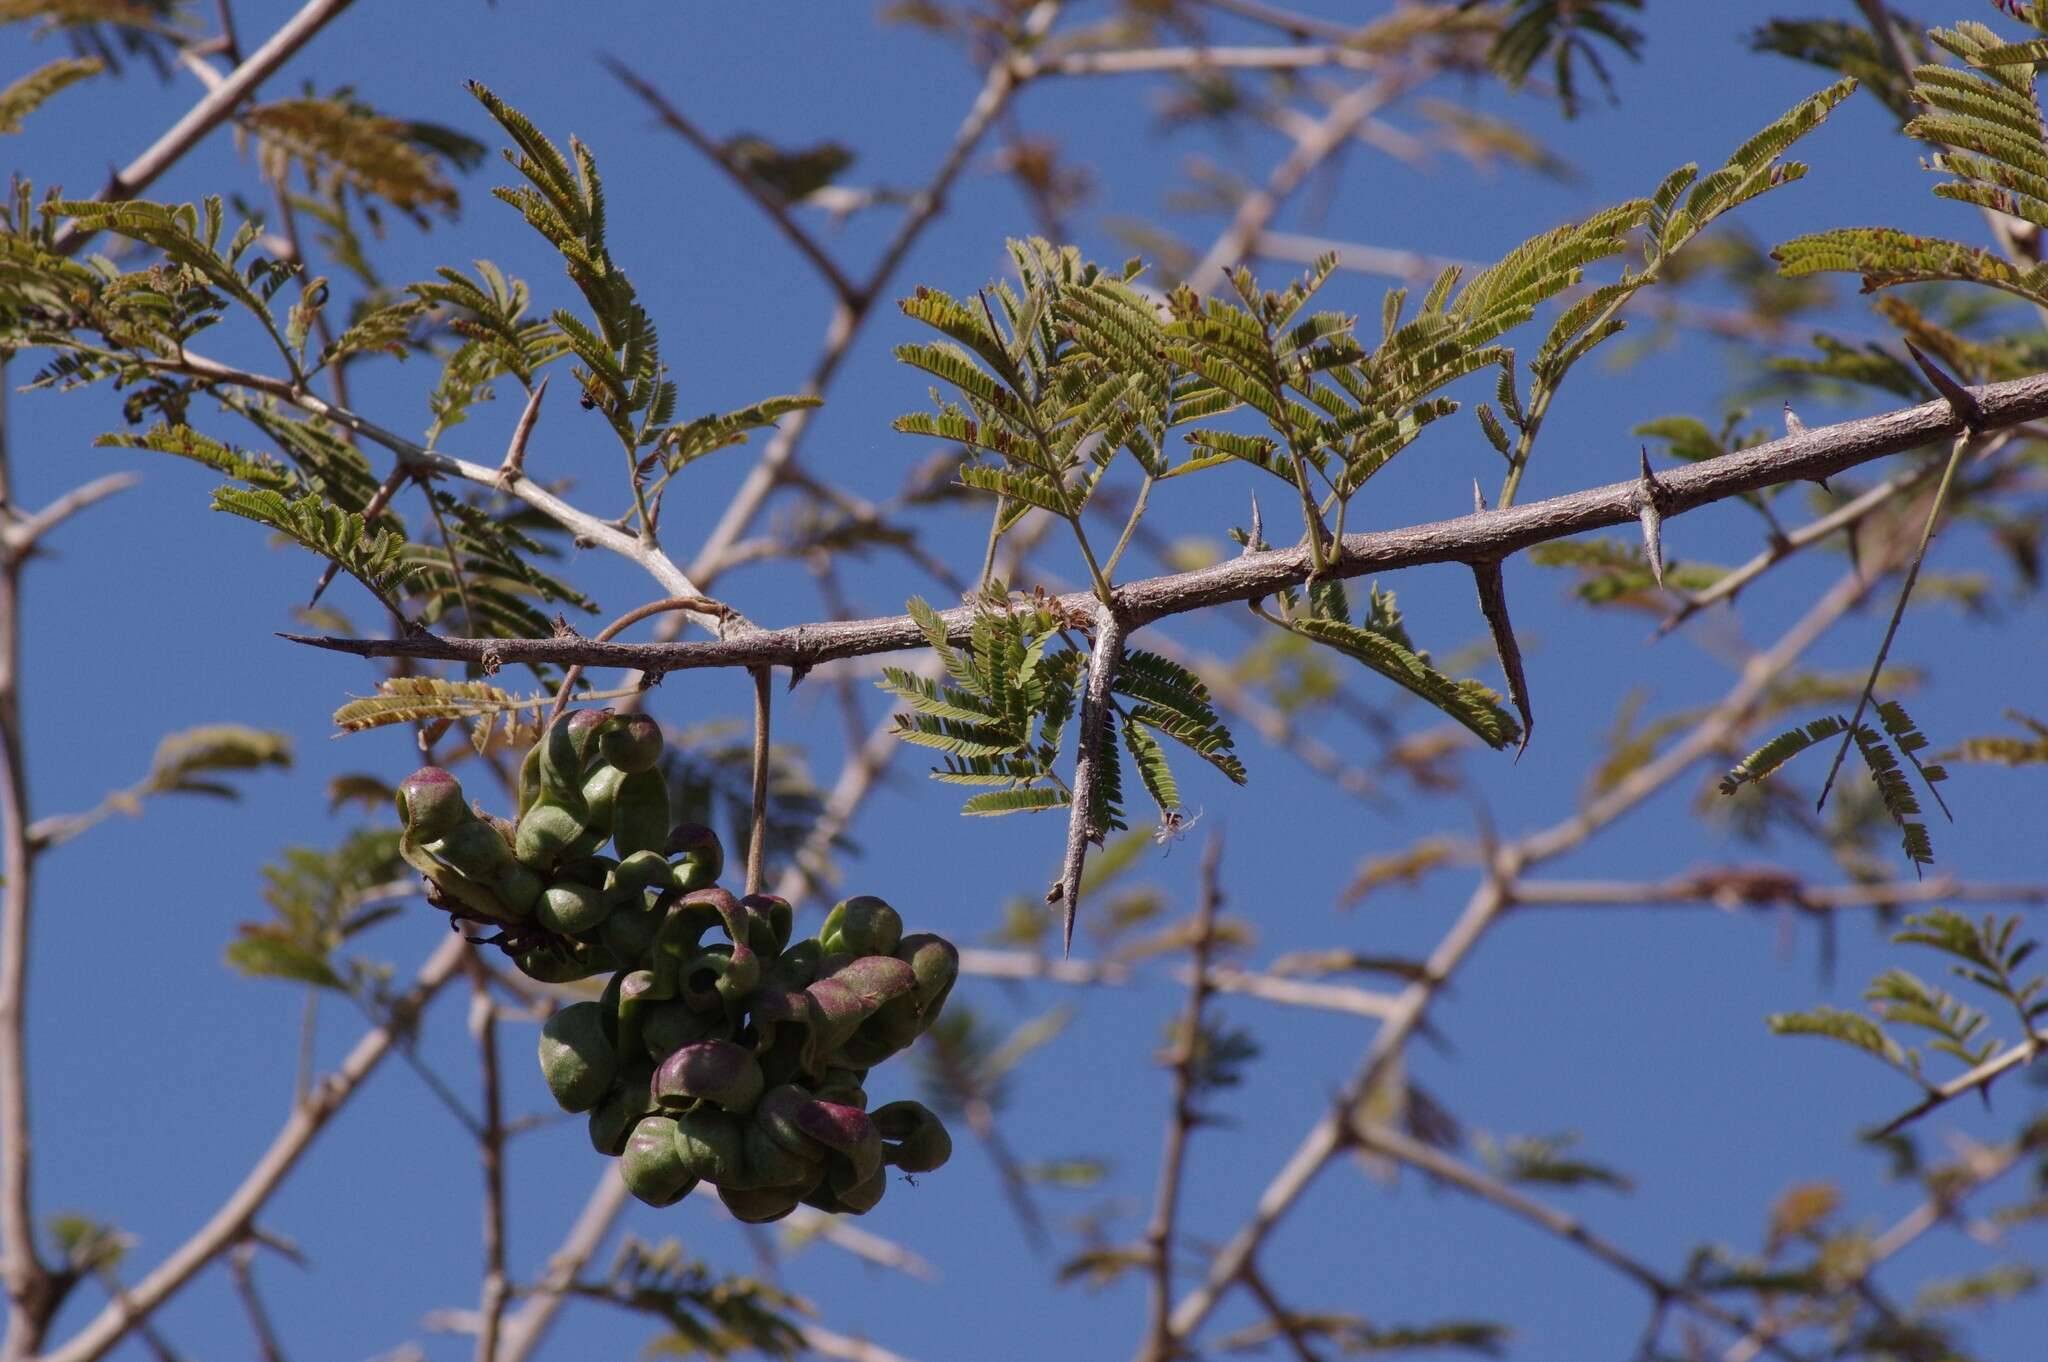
(636, 549)
(1981, 1076)
(1311, 149)
(212, 109)
(1444, 1168)
(1979, 1166)
(1891, 631)
(19, 538)
(825, 1343)
(496, 1292)
(996, 92)
(513, 466)
(1755, 887)
(1328, 1136)
(757, 817)
(992, 963)
(229, 1223)
(1493, 534)
(771, 203)
(702, 606)
(1183, 1116)
(240, 1270)
(32, 1291)
(1196, 60)
(530, 1323)
(1284, 1322)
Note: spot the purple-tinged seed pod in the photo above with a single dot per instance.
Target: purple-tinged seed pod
(652, 1167)
(571, 908)
(936, 963)
(856, 992)
(631, 742)
(864, 925)
(913, 1137)
(576, 1059)
(776, 1115)
(699, 856)
(848, 1133)
(717, 1071)
(760, 1205)
(708, 1141)
(780, 918)
(584, 728)
(430, 804)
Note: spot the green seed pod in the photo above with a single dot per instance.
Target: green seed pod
(913, 1137)
(529, 778)
(709, 1143)
(861, 926)
(770, 920)
(772, 1164)
(638, 992)
(612, 1120)
(571, 908)
(577, 1060)
(586, 727)
(697, 979)
(430, 804)
(547, 833)
(638, 815)
(628, 932)
(842, 1084)
(796, 966)
(669, 1026)
(560, 962)
(698, 854)
(652, 1167)
(856, 1198)
(631, 742)
(717, 1071)
(600, 792)
(760, 1205)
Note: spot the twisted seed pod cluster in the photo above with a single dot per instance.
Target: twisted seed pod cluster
(739, 1062)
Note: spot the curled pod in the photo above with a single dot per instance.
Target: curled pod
(716, 1071)
(842, 1084)
(476, 852)
(613, 1119)
(760, 1205)
(771, 1163)
(628, 932)
(913, 1137)
(776, 1117)
(639, 991)
(430, 804)
(796, 966)
(671, 1025)
(631, 742)
(577, 1059)
(698, 855)
(600, 793)
(562, 961)
(936, 964)
(571, 908)
(652, 1167)
(855, 1144)
(638, 815)
(864, 925)
(770, 921)
(857, 1198)
(688, 917)
(855, 993)
(547, 833)
(709, 1143)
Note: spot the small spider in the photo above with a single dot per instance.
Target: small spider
(1174, 825)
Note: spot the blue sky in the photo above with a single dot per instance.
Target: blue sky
(160, 1073)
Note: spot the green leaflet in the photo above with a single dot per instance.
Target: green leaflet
(27, 94)
(1475, 706)
(374, 558)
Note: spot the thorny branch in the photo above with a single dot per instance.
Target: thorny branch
(1819, 452)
